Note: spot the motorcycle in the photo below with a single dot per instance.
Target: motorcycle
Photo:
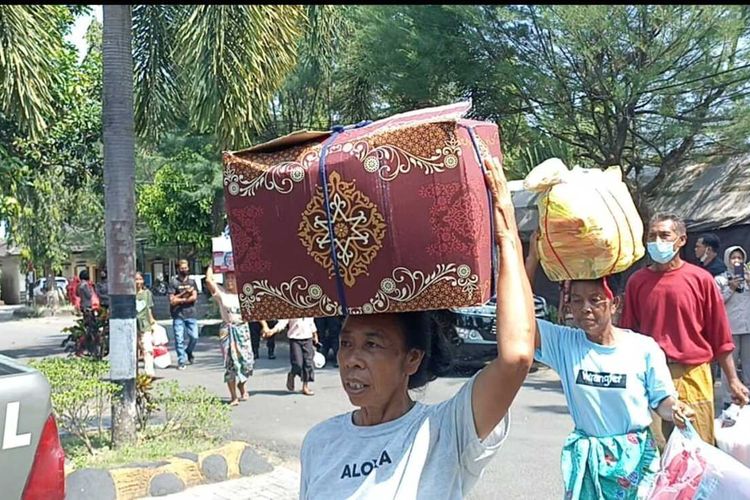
(159, 288)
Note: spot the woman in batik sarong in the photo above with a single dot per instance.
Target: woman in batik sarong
(234, 335)
(612, 379)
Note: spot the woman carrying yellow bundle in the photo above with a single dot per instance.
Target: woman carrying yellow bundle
(612, 379)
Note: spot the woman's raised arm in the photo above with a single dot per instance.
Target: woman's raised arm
(497, 385)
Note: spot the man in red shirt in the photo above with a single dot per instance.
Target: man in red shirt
(679, 305)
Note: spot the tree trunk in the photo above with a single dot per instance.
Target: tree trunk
(119, 205)
(217, 213)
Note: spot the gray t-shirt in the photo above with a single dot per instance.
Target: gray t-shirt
(180, 287)
(84, 292)
(432, 451)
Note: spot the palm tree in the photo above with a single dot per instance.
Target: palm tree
(28, 35)
(223, 63)
(119, 212)
(216, 66)
(227, 62)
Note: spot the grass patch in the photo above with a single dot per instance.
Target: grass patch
(145, 450)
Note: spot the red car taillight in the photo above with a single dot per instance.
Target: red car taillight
(46, 480)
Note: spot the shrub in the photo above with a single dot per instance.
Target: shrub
(193, 412)
(145, 401)
(79, 393)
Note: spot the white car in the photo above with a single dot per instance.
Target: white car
(62, 284)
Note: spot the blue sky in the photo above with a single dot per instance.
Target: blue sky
(79, 29)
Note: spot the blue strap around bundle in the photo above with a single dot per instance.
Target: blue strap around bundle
(493, 284)
(335, 131)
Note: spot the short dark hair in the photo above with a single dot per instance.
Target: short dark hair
(710, 240)
(84, 275)
(434, 333)
(679, 224)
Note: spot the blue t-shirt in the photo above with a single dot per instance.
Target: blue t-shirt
(609, 389)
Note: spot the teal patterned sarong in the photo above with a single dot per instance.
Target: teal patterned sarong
(237, 351)
(609, 468)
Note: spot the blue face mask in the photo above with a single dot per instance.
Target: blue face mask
(661, 251)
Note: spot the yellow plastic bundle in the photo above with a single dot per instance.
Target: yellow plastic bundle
(588, 224)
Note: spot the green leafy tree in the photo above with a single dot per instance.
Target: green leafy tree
(214, 69)
(54, 178)
(644, 85)
(41, 222)
(403, 57)
(203, 168)
(176, 207)
(29, 35)
(306, 99)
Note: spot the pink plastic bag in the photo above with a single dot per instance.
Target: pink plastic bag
(162, 359)
(693, 469)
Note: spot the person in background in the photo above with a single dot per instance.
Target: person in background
(329, 329)
(183, 293)
(30, 285)
(707, 251)
(86, 293)
(302, 337)
(73, 297)
(734, 290)
(679, 305)
(256, 332)
(234, 335)
(145, 321)
(102, 289)
(84, 290)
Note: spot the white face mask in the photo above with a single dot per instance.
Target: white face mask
(705, 256)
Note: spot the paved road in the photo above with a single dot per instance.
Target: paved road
(277, 420)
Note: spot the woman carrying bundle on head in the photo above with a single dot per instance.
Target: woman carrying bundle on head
(612, 379)
(394, 447)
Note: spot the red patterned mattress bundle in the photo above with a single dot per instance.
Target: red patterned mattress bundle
(388, 216)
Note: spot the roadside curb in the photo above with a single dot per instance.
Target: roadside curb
(21, 314)
(232, 460)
